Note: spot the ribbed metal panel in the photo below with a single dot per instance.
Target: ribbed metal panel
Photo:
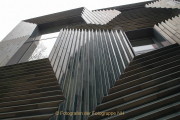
(148, 89)
(136, 19)
(29, 91)
(99, 17)
(128, 7)
(87, 63)
(170, 29)
(164, 4)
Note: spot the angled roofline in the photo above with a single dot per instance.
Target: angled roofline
(128, 6)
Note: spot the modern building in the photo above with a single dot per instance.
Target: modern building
(115, 63)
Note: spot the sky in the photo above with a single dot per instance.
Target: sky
(12, 12)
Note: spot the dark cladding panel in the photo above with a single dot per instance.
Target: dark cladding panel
(56, 16)
(66, 22)
(58, 19)
(138, 34)
(29, 90)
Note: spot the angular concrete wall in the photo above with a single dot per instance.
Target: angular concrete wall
(21, 30)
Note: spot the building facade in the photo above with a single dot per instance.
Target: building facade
(114, 63)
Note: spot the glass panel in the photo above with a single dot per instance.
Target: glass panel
(39, 50)
(144, 47)
(142, 42)
(50, 35)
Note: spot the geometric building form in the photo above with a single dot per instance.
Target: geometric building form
(121, 59)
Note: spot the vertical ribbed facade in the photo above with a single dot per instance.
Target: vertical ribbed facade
(87, 63)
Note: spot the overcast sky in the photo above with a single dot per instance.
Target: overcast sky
(14, 11)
